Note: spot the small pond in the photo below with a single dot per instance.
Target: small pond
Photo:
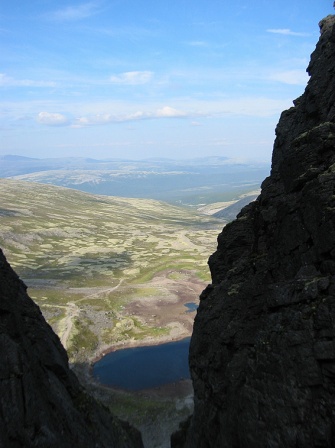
(191, 306)
(148, 367)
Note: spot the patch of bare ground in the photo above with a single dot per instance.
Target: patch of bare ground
(169, 310)
(166, 309)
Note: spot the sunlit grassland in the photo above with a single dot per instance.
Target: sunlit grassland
(98, 253)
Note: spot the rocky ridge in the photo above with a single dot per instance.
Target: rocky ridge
(262, 354)
(42, 403)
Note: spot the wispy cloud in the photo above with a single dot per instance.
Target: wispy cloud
(286, 32)
(106, 118)
(99, 119)
(132, 78)
(82, 115)
(52, 119)
(169, 112)
(292, 77)
(74, 13)
(7, 81)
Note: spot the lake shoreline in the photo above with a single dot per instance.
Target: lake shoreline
(144, 367)
(145, 342)
(171, 402)
(177, 388)
(180, 328)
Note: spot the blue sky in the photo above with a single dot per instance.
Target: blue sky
(142, 78)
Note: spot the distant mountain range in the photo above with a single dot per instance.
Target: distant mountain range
(192, 181)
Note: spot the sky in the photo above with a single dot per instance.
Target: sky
(137, 79)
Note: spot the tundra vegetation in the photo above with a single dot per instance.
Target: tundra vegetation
(105, 270)
(111, 272)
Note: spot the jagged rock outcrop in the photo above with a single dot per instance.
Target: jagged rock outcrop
(262, 354)
(41, 401)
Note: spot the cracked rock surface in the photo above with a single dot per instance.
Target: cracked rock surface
(262, 354)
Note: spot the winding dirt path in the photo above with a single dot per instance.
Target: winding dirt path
(72, 311)
(95, 292)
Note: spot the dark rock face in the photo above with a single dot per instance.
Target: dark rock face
(262, 354)
(41, 401)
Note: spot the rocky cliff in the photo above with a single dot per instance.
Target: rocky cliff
(262, 354)
(41, 402)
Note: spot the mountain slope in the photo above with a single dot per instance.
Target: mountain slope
(98, 266)
(229, 213)
(262, 354)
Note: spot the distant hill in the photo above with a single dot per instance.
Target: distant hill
(192, 181)
(229, 213)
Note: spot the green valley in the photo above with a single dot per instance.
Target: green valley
(106, 271)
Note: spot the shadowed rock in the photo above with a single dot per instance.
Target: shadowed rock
(262, 354)
(41, 401)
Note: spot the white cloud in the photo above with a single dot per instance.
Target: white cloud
(113, 112)
(7, 81)
(81, 122)
(132, 78)
(110, 118)
(52, 119)
(136, 116)
(72, 13)
(169, 112)
(286, 32)
(105, 118)
(293, 77)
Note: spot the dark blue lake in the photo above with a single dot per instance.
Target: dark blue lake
(144, 367)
